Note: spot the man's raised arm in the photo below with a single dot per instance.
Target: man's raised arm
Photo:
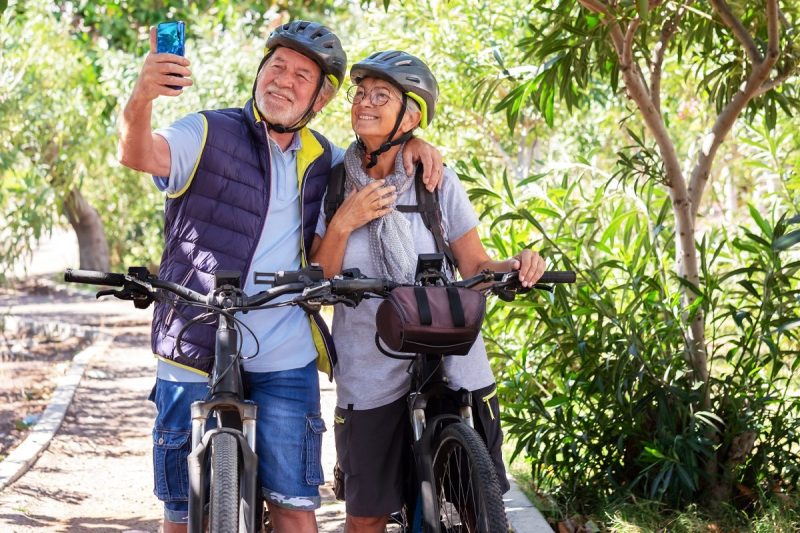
(139, 148)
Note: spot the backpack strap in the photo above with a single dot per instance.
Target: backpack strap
(335, 195)
(430, 210)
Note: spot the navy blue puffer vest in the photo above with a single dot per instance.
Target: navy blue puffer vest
(215, 223)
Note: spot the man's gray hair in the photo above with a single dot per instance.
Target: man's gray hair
(328, 90)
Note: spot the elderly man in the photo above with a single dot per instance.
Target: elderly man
(244, 188)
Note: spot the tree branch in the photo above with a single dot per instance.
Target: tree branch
(627, 45)
(777, 80)
(773, 31)
(667, 32)
(737, 28)
(750, 89)
(596, 6)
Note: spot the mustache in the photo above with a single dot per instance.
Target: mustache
(277, 92)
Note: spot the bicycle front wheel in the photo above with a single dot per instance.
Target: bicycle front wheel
(224, 505)
(469, 495)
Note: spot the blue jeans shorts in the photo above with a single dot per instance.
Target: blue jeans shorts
(289, 435)
(172, 442)
(288, 439)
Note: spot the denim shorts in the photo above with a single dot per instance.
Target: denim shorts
(289, 435)
(288, 439)
(172, 443)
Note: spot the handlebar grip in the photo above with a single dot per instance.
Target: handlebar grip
(557, 276)
(346, 286)
(93, 277)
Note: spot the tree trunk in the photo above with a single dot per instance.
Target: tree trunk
(688, 269)
(85, 220)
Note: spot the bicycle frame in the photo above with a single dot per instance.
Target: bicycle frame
(233, 415)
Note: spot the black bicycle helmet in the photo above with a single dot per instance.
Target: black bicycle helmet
(409, 73)
(314, 41)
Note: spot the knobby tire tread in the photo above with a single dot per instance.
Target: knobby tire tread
(462, 439)
(224, 511)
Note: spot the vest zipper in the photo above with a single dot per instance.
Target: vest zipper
(303, 257)
(304, 262)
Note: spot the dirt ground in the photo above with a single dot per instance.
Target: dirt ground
(96, 474)
(27, 382)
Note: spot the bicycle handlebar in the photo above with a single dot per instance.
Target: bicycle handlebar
(374, 285)
(93, 277)
(140, 283)
(558, 276)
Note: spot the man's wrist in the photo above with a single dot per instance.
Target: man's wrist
(138, 103)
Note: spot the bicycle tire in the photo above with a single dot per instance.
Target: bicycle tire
(467, 489)
(224, 505)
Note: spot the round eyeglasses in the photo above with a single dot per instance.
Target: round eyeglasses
(377, 97)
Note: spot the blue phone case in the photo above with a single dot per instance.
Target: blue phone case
(171, 37)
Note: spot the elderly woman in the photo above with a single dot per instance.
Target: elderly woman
(395, 92)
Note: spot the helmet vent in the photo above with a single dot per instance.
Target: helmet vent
(403, 63)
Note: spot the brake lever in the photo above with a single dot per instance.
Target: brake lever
(106, 292)
(140, 300)
(505, 294)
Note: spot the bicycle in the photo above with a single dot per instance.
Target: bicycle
(224, 458)
(229, 448)
(456, 489)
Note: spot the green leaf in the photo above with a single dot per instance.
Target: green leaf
(532, 178)
(789, 325)
(786, 241)
(507, 186)
(749, 287)
(612, 227)
(643, 8)
(478, 192)
(555, 401)
(765, 227)
(546, 211)
(655, 453)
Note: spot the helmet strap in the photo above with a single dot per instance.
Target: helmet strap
(385, 147)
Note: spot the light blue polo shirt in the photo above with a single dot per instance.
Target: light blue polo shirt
(283, 334)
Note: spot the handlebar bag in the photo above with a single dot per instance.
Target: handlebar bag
(434, 320)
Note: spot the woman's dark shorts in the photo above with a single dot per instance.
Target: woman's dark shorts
(373, 450)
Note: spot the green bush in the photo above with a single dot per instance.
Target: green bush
(595, 387)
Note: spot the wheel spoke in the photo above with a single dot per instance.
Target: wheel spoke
(466, 485)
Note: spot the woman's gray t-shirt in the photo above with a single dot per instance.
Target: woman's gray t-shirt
(365, 378)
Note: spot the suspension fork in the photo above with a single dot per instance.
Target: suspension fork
(233, 415)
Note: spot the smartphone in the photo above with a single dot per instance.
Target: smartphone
(170, 39)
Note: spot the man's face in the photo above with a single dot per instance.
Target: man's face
(285, 86)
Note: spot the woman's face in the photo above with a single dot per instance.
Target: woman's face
(376, 104)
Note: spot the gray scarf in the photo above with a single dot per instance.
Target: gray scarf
(390, 240)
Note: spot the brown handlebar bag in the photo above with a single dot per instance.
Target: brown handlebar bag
(435, 320)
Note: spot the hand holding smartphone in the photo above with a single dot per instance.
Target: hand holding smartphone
(171, 39)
